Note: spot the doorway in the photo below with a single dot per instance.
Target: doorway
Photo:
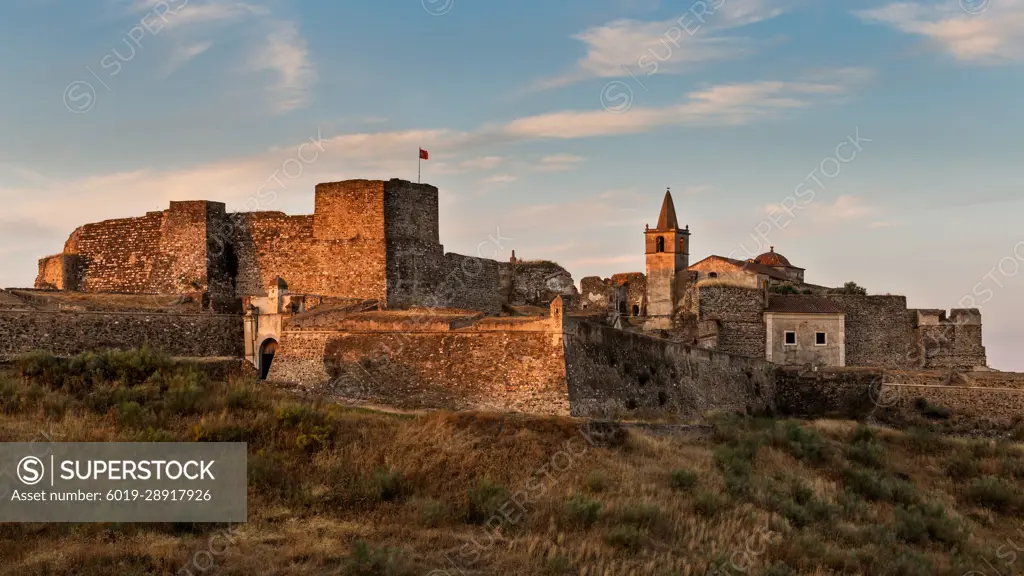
(267, 351)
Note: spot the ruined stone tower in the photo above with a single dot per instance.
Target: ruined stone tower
(668, 257)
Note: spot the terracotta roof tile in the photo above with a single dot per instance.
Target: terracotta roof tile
(800, 304)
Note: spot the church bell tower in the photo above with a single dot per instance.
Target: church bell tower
(668, 257)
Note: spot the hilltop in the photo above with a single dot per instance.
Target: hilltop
(342, 490)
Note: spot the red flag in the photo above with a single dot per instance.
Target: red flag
(424, 155)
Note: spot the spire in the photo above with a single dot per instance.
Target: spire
(667, 220)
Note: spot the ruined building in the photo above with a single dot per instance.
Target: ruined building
(762, 308)
(360, 298)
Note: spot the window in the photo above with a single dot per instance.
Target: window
(712, 274)
(819, 339)
(659, 244)
(682, 245)
(790, 338)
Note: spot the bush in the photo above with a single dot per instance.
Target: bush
(708, 503)
(387, 484)
(625, 537)
(920, 524)
(582, 511)
(641, 514)
(962, 467)
(365, 561)
(872, 485)
(850, 288)
(430, 512)
(992, 493)
(684, 479)
(870, 454)
(802, 443)
(926, 442)
(133, 415)
(485, 500)
(597, 481)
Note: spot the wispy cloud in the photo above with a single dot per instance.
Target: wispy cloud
(182, 55)
(844, 208)
(286, 54)
(558, 162)
(730, 104)
(272, 44)
(499, 179)
(993, 37)
(624, 47)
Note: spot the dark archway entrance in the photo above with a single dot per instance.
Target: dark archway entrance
(636, 310)
(267, 351)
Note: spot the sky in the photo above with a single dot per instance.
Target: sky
(874, 142)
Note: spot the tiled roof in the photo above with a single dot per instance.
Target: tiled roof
(800, 304)
(773, 258)
(752, 267)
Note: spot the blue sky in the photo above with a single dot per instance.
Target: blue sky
(557, 125)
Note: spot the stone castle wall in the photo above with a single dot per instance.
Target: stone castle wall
(878, 330)
(735, 315)
(949, 343)
(547, 366)
(70, 333)
(367, 239)
(534, 283)
(971, 401)
(610, 372)
(497, 364)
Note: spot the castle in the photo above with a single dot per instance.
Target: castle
(361, 297)
(762, 307)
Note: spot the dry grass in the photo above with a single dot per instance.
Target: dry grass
(343, 491)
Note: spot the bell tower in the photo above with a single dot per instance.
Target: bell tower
(668, 257)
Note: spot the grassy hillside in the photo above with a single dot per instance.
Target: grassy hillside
(334, 490)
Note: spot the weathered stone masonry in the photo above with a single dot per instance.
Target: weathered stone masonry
(553, 365)
(367, 239)
(70, 333)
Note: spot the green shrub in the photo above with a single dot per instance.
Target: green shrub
(708, 503)
(12, 396)
(863, 433)
(244, 396)
(387, 484)
(582, 511)
(625, 537)
(802, 443)
(366, 561)
(930, 522)
(684, 479)
(133, 415)
(315, 439)
(597, 481)
(870, 454)
(1013, 467)
(926, 442)
(431, 513)
(874, 486)
(185, 397)
(641, 514)
(962, 467)
(992, 493)
(485, 501)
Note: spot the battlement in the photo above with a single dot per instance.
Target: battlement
(368, 239)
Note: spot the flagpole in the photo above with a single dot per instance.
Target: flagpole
(419, 165)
